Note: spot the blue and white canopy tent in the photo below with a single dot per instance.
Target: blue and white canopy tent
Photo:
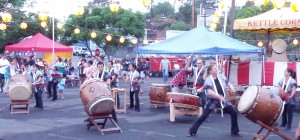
(201, 41)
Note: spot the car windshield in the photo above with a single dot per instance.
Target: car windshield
(84, 49)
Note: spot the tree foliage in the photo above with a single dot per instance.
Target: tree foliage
(162, 10)
(179, 26)
(103, 22)
(13, 33)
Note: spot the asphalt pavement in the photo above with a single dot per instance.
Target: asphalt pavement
(64, 120)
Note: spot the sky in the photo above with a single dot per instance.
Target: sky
(62, 8)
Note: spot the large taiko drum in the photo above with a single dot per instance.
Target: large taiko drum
(260, 104)
(158, 93)
(96, 97)
(19, 88)
(183, 100)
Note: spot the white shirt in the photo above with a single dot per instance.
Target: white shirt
(3, 62)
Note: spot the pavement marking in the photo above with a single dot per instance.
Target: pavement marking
(151, 132)
(4, 107)
(65, 137)
(191, 125)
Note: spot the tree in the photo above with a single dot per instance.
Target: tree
(103, 22)
(162, 10)
(13, 33)
(179, 26)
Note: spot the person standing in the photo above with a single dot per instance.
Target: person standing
(38, 84)
(287, 90)
(61, 86)
(3, 64)
(114, 80)
(105, 77)
(12, 70)
(198, 73)
(133, 78)
(215, 86)
(147, 69)
(164, 67)
(55, 75)
(82, 75)
(125, 65)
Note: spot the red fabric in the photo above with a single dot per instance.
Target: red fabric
(269, 73)
(179, 79)
(243, 73)
(38, 43)
(198, 86)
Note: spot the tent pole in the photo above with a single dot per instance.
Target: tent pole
(268, 42)
(229, 64)
(263, 69)
(52, 38)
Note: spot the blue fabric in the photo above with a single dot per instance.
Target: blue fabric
(200, 41)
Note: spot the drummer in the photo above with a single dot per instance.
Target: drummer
(214, 86)
(114, 80)
(38, 84)
(55, 75)
(198, 73)
(105, 77)
(288, 87)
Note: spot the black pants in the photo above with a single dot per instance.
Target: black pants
(38, 97)
(52, 84)
(287, 115)
(114, 115)
(137, 101)
(202, 97)
(118, 100)
(207, 111)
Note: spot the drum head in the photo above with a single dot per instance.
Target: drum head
(279, 46)
(160, 85)
(247, 99)
(19, 92)
(101, 106)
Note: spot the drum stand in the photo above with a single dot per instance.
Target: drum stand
(118, 91)
(17, 103)
(176, 109)
(270, 129)
(93, 122)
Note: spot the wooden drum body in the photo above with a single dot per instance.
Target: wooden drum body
(19, 88)
(260, 104)
(96, 97)
(158, 93)
(183, 100)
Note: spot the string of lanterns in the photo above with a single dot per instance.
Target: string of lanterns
(114, 7)
(218, 14)
(295, 42)
(278, 4)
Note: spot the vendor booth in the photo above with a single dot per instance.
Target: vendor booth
(42, 44)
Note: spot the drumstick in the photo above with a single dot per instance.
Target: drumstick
(222, 109)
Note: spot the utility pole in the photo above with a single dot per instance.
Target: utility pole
(232, 18)
(193, 14)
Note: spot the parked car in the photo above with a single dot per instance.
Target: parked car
(79, 50)
(88, 53)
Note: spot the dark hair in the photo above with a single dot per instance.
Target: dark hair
(83, 59)
(147, 59)
(133, 65)
(292, 72)
(64, 75)
(110, 62)
(100, 63)
(209, 68)
(59, 59)
(90, 62)
(38, 66)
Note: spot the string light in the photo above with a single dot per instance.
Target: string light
(60, 25)
(122, 39)
(145, 41)
(108, 37)
(23, 25)
(134, 41)
(260, 44)
(80, 11)
(295, 41)
(93, 34)
(77, 31)
(44, 24)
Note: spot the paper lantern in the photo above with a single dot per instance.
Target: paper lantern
(80, 11)
(122, 39)
(23, 25)
(260, 44)
(278, 3)
(145, 41)
(6, 17)
(262, 2)
(108, 38)
(77, 31)
(295, 41)
(3, 26)
(44, 24)
(60, 25)
(134, 41)
(146, 3)
(93, 35)
(43, 16)
(295, 5)
(114, 7)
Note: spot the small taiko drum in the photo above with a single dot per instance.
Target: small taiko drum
(158, 93)
(96, 97)
(183, 100)
(260, 104)
(19, 88)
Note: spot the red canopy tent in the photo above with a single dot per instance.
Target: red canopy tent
(38, 43)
